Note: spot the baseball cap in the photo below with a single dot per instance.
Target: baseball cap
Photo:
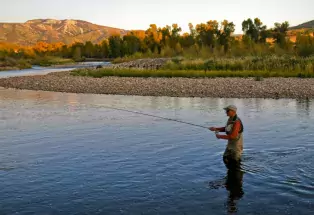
(231, 107)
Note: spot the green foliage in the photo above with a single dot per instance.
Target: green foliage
(305, 45)
(8, 63)
(224, 35)
(210, 40)
(131, 45)
(89, 50)
(269, 63)
(257, 75)
(49, 60)
(105, 50)
(77, 56)
(137, 55)
(115, 46)
(279, 33)
(255, 31)
(23, 64)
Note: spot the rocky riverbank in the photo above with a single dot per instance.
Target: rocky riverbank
(174, 87)
(153, 63)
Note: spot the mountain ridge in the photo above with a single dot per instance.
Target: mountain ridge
(67, 31)
(305, 25)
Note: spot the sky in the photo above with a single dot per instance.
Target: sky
(139, 14)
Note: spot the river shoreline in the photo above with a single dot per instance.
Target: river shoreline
(275, 88)
(228, 87)
(10, 68)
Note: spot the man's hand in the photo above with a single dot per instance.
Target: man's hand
(218, 136)
(212, 129)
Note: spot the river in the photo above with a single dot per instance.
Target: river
(67, 153)
(40, 70)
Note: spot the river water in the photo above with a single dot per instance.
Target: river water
(71, 154)
(39, 70)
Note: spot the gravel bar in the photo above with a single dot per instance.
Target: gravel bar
(173, 87)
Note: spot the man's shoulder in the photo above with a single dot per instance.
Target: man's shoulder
(238, 119)
(238, 122)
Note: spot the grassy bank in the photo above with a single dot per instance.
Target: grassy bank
(270, 63)
(8, 63)
(50, 60)
(99, 73)
(133, 57)
(270, 66)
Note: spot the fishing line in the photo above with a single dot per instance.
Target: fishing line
(165, 118)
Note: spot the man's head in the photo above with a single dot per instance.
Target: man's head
(231, 110)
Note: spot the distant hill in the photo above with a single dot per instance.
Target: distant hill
(306, 25)
(51, 30)
(70, 31)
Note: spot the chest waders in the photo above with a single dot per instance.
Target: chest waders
(234, 148)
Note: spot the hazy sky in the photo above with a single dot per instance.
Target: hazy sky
(138, 14)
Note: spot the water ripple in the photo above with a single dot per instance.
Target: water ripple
(68, 154)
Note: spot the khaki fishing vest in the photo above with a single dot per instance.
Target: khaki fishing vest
(235, 146)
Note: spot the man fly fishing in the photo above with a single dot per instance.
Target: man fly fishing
(234, 135)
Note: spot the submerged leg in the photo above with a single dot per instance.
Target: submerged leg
(231, 159)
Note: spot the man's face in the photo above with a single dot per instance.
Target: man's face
(230, 113)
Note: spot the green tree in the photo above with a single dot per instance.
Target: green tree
(224, 35)
(193, 32)
(132, 44)
(77, 55)
(305, 44)
(255, 31)
(207, 33)
(165, 35)
(97, 51)
(74, 53)
(279, 33)
(115, 46)
(105, 49)
(152, 38)
(175, 35)
(187, 40)
(89, 49)
(65, 52)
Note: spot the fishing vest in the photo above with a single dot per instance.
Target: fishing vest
(230, 123)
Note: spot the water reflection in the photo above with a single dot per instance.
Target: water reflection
(303, 106)
(234, 185)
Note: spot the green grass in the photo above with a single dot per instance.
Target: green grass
(270, 63)
(167, 73)
(136, 56)
(50, 60)
(8, 63)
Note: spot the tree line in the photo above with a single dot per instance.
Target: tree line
(169, 41)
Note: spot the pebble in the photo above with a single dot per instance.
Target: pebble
(150, 63)
(173, 87)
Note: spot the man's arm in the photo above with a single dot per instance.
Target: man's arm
(234, 134)
(222, 129)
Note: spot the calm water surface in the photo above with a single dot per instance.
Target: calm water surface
(70, 154)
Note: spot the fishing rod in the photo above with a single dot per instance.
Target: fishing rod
(165, 118)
